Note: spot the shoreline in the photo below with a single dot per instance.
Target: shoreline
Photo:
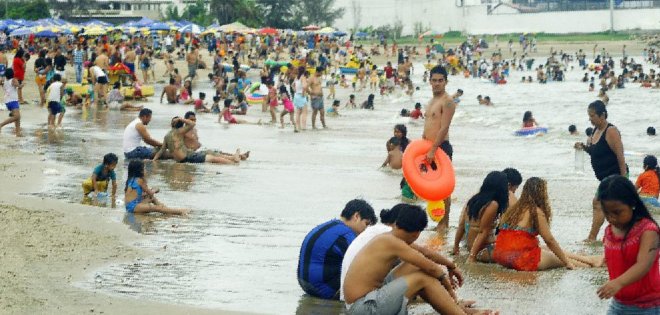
(48, 246)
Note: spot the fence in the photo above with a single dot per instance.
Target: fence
(527, 6)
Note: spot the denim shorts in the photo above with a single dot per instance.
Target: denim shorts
(617, 308)
(139, 153)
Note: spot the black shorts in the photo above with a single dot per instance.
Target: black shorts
(54, 107)
(197, 157)
(102, 80)
(449, 150)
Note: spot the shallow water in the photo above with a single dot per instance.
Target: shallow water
(239, 247)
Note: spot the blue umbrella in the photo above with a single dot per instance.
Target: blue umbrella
(97, 23)
(23, 31)
(191, 28)
(45, 33)
(144, 22)
(159, 26)
(339, 33)
(361, 34)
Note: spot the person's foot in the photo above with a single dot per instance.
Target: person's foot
(237, 156)
(245, 156)
(296, 130)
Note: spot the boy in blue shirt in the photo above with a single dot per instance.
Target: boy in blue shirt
(102, 174)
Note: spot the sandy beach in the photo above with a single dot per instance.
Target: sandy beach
(49, 245)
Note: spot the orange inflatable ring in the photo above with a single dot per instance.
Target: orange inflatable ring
(430, 182)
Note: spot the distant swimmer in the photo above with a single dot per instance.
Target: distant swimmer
(139, 198)
(528, 120)
(323, 249)
(572, 130)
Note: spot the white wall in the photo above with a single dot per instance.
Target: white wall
(444, 15)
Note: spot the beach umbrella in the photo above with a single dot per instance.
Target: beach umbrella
(97, 23)
(191, 28)
(94, 31)
(361, 34)
(311, 27)
(159, 26)
(433, 34)
(326, 30)
(268, 31)
(23, 31)
(46, 33)
(144, 22)
(233, 27)
(339, 33)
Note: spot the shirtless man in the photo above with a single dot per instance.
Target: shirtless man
(192, 58)
(371, 285)
(102, 60)
(439, 113)
(315, 90)
(191, 140)
(129, 58)
(170, 90)
(175, 144)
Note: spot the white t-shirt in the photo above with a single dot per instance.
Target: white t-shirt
(358, 243)
(54, 95)
(98, 72)
(132, 138)
(11, 93)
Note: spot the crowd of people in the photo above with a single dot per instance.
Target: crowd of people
(374, 268)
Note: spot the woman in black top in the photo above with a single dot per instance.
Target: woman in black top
(606, 151)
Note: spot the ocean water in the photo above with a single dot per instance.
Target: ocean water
(239, 247)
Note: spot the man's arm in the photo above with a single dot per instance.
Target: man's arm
(161, 151)
(407, 254)
(613, 138)
(142, 130)
(161, 95)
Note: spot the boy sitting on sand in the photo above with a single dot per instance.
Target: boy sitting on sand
(394, 155)
(102, 174)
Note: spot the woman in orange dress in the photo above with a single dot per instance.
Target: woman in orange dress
(517, 246)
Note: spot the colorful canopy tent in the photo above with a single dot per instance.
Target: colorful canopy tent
(23, 31)
(191, 28)
(433, 34)
(311, 27)
(268, 31)
(233, 27)
(160, 26)
(326, 30)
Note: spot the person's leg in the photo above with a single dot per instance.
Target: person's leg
(314, 112)
(432, 292)
(589, 261)
(597, 221)
(303, 119)
(11, 119)
(146, 206)
(322, 117)
(20, 93)
(295, 128)
(549, 260)
(284, 112)
(78, 67)
(273, 118)
(298, 117)
(219, 159)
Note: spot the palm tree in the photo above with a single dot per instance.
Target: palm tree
(228, 11)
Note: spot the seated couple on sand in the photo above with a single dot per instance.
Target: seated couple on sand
(175, 144)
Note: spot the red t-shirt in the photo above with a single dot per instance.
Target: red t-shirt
(620, 256)
(416, 113)
(389, 72)
(19, 69)
(198, 103)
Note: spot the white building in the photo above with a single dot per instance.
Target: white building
(493, 16)
(119, 11)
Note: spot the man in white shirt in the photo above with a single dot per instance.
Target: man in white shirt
(135, 133)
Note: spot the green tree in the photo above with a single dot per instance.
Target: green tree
(66, 9)
(29, 10)
(229, 11)
(197, 13)
(278, 13)
(171, 13)
(321, 12)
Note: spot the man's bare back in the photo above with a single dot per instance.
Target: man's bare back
(170, 91)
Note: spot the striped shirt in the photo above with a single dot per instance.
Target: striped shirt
(78, 56)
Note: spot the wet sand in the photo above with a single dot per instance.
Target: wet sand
(50, 245)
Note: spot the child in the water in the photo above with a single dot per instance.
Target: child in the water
(394, 155)
(101, 176)
(517, 245)
(334, 110)
(139, 198)
(648, 183)
(528, 120)
(631, 250)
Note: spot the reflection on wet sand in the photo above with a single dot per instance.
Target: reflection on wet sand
(143, 224)
(309, 305)
(178, 176)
